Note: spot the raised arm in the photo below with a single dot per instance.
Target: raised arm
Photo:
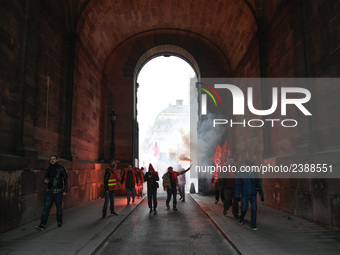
(184, 171)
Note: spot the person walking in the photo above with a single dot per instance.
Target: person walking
(181, 183)
(218, 187)
(229, 183)
(247, 186)
(140, 182)
(170, 184)
(110, 186)
(130, 183)
(56, 179)
(151, 177)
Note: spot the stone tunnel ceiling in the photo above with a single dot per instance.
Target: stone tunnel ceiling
(105, 24)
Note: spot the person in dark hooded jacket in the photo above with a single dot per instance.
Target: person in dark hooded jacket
(152, 178)
(130, 184)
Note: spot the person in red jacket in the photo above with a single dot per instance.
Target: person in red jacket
(140, 181)
(110, 185)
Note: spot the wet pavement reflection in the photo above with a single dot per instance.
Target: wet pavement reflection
(186, 231)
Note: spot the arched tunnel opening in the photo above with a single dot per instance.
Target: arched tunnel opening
(163, 114)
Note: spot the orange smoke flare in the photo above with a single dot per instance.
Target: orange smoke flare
(184, 158)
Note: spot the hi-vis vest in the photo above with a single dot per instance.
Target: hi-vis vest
(112, 183)
(167, 183)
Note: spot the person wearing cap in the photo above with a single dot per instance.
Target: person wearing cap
(170, 184)
(110, 185)
(247, 186)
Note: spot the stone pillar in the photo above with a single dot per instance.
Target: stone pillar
(102, 121)
(135, 138)
(27, 86)
(68, 94)
(265, 95)
(307, 141)
(135, 128)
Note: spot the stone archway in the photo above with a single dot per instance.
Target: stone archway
(164, 50)
(126, 61)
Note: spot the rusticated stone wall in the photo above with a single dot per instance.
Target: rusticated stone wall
(22, 191)
(302, 41)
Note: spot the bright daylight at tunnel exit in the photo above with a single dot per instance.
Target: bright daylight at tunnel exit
(163, 114)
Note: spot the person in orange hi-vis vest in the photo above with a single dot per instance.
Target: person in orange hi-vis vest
(110, 185)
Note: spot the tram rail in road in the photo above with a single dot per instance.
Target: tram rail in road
(186, 231)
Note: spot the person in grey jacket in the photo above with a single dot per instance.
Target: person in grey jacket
(170, 184)
(56, 179)
(247, 186)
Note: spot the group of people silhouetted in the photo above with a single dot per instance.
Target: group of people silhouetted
(56, 179)
(234, 187)
(171, 180)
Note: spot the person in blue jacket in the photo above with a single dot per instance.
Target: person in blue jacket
(247, 186)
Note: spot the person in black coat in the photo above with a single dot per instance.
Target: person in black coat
(56, 179)
(151, 177)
